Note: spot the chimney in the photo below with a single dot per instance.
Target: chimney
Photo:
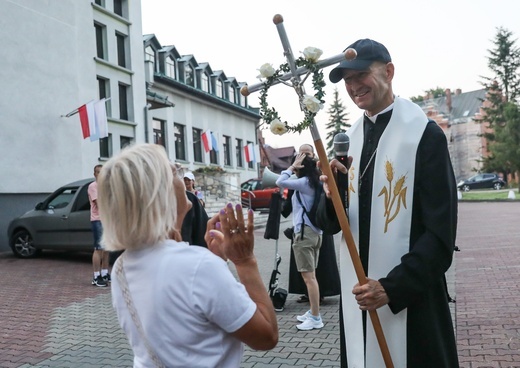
(448, 100)
(458, 91)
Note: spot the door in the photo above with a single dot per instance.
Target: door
(80, 231)
(51, 224)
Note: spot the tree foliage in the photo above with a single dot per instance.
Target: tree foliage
(506, 146)
(502, 114)
(338, 122)
(504, 61)
(433, 92)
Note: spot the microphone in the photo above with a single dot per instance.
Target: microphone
(341, 144)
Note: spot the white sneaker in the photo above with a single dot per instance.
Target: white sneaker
(310, 323)
(304, 317)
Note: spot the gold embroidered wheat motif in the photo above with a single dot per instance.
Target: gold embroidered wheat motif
(351, 175)
(393, 197)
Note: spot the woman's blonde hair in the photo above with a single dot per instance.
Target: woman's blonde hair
(136, 198)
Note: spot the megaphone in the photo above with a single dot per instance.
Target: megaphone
(269, 178)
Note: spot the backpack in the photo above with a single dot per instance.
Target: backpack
(314, 209)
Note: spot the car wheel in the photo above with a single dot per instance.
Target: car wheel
(465, 188)
(497, 186)
(22, 245)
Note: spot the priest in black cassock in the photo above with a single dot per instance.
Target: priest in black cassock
(403, 217)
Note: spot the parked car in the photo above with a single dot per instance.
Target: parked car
(60, 222)
(482, 181)
(254, 195)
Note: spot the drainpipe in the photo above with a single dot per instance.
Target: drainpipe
(146, 108)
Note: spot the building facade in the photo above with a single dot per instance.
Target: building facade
(458, 115)
(59, 55)
(186, 99)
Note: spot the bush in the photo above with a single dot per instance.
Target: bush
(210, 170)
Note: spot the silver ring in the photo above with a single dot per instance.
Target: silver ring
(234, 231)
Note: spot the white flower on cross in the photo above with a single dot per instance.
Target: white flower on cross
(311, 103)
(266, 71)
(312, 53)
(277, 127)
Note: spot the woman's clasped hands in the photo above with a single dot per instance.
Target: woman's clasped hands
(229, 237)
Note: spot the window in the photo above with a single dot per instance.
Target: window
(231, 93)
(213, 154)
(125, 141)
(251, 163)
(102, 87)
(239, 147)
(121, 49)
(205, 82)
(123, 102)
(188, 75)
(105, 147)
(100, 2)
(120, 7)
(219, 88)
(103, 91)
(197, 145)
(100, 40)
(213, 157)
(62, 199)
(82, 203)
(158, 132)
(180, 141)
(170, 67)
(227, 150)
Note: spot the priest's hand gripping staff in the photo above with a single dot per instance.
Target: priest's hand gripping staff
(295, 81)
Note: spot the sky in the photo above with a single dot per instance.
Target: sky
(442, 43)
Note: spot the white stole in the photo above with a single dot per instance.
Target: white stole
(391, 217)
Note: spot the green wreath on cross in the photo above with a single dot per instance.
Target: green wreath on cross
(310, 104)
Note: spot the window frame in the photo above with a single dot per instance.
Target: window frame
(121, 45)
(231, 94)
(189, 75)
(219, 89)
(105, 147)
(250, 164)
(239, 154)
(227, 150)
(101, 40)
(198, 156)
(124, 113)
(205, 82)
(180, 141)
(170, 67)
(159, 134)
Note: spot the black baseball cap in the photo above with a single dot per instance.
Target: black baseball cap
(368, 51)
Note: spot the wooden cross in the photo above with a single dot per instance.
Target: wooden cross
(295, 81)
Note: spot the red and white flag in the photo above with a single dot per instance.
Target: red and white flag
(249, 151)
(206, 140)
(100, 111)
(93, 117)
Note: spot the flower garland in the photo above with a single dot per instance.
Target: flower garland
(309, 104)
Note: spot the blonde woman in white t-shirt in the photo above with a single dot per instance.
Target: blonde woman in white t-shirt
(190, 311)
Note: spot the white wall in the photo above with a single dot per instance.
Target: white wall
(47, 69)
(43, 76)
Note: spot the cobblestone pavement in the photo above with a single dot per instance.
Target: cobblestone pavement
(50, 315)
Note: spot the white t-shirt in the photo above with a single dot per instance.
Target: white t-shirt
(188, 302)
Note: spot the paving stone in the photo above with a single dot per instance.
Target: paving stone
(57, 319)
